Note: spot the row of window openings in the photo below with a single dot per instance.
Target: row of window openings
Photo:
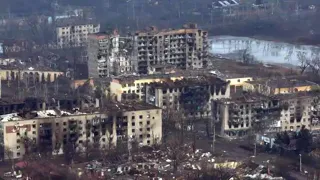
(237, 125)
(110, 139)
(292, 120)
(291, 127)
(292, 115)
(133, 91)
(134, 130)
(133, 124)
(25, 133)
(19, 141)
(125, 118)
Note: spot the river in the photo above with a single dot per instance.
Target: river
(262, 50)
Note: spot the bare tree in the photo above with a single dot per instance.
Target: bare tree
(9, 155)
(173, 121)
(303, 60)
(176, 151)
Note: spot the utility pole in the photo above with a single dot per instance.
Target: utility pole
(255, 148)
(213, 125)
(214, 134)
(130, 148)
(133, 10)
(300, 163)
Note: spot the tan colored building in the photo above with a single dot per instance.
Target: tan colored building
(185, 48)
(299, 109)
(31, 74)
(238, 81)
(139, 122)
(279, 86)
(122, 88)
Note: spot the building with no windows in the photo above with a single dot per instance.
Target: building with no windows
(185, 48)
(51, 130)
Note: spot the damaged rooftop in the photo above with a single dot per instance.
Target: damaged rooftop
(190, 81)
(250, 97)
(25, 68)
(110, 108)
(128, 79)
(125, 107)
(284, 82)
(152, 30)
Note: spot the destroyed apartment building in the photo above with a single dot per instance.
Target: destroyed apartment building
(73, 32)
(282, 112)
(51, 130)
(112, 54)
(285, 85)
(133, 87)
(300, 109)
(239, 114)
(109, 55)
(193, 96)
(184, 48)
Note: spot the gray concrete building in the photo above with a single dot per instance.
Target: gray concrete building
(184, 48)
(109, 55)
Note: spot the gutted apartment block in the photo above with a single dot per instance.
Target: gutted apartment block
(119, 123)
(299, 109)
(109, 55)
(74, 32)
(282, 112)
(191, 95)
(238, 114)
(185, 48)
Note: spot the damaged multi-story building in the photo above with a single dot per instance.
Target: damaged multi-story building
(282, 112)
(133, 87)
(185, 48)
(300, 109)
(51, 130)
(31, 74)
(238, 114)
(193, 96)
(109, 55)
(284, 85)
(73, 32)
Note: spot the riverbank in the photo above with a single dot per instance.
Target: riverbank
(266, 51)
(296, 41)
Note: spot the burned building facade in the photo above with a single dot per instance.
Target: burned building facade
(120, 123)
(283, 112)
(239, 114)
(74, 32)
(191, 95)
(184, 48)
(301, 109)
